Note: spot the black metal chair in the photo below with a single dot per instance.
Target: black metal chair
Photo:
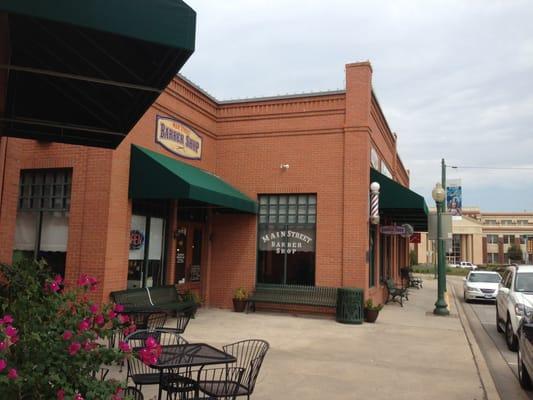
(250, 355)
(183, 319)
(142, 320)
(132, 393)
(140, 373)
(101, 374)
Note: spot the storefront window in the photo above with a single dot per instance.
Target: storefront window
(42, 217)
(286, 239)
(147, 244)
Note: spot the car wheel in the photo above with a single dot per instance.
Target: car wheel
(466, 298)
(523, 375)
(498, 321)
(510, 337)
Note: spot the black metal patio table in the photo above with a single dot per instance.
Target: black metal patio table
(189, 355)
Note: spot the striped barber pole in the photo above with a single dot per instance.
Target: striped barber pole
(374, 203)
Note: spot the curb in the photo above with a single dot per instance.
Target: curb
(487, 383)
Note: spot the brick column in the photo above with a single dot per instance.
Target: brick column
(356, 171)
(500, 250)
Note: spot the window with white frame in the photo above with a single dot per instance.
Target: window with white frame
(492, 239)
(508, 239)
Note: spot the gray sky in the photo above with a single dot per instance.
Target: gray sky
(454, 78)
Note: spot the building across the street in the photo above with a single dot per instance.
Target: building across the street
(213, 195)
(484, 237)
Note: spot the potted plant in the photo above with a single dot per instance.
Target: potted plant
(239, 299)
(371, 310)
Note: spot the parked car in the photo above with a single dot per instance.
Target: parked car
(525, 352)
(481, 285)
(464, 264)
(513, 301)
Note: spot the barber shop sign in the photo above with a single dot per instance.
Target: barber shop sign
(178, 138)
(286, 242)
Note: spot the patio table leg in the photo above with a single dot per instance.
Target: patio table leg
(160, 388)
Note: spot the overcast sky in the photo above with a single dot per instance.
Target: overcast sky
(454, 78)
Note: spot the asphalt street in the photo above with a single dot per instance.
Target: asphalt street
(501, 361)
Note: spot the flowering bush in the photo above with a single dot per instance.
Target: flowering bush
(51, 338)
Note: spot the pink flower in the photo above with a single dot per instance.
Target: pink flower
(78, 397)
(58, 279)
(99, 320)
(88, 346)
(14, 339)
(118, 308)
(8, 319)
(94, 308)
(74, 348)
(10, 331)
(123, 318)
(83, 280)
(150, 342)
(3, 345)
(12, 374)
(3, 365)
(53, 287)
(84, 325)
(130, 329)
(67, 335)
(111, 314)
(60, 394)
(124, 346)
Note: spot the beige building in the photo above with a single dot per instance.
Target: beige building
(483, 237)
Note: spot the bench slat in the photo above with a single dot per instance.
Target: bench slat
(295, 294)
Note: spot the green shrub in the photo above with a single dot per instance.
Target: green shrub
(51, 336)
(369, 305)
(240, 294)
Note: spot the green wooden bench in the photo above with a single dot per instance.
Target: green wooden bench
(162, 298)
(293, 294)
(396, 293)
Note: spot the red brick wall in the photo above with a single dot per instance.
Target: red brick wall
(88, 216)
(325, 139)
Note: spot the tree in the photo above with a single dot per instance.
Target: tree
(515, 252)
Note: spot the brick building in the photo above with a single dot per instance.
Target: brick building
(213, 195)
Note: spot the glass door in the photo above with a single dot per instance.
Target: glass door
(189, 240)
(146, 256)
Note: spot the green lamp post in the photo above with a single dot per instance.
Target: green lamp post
(441, 308)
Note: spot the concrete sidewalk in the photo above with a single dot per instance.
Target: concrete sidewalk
(407, 354)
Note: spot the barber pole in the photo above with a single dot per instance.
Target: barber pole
(374, 203)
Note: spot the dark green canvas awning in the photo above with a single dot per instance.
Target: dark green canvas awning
(155, 176)
(84, 72)
(399, 204)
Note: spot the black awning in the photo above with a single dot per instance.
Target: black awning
(399, 204)
(84, 72)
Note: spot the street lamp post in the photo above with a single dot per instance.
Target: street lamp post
(441, 308)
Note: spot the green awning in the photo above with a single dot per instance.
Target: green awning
(84, 72)
(155, 176)
(399, 204)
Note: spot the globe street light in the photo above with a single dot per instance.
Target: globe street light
(441, 308)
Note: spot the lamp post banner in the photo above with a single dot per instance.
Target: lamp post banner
(454, 197)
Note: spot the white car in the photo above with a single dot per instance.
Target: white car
(465, 264)
(513, 301)
(481, 285)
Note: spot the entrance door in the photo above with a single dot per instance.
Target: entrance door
(146, 257)
(189, 255)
